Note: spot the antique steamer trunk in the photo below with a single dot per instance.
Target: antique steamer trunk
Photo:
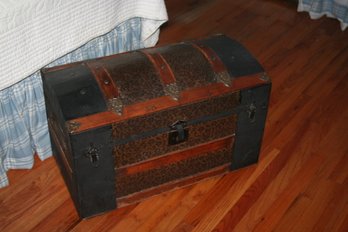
(132, 125)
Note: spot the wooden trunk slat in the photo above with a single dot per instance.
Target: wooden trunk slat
(136, 197)
(104, 80)
(174, 157)
(166, 74)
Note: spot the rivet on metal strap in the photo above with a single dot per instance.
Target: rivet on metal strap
(264, 77)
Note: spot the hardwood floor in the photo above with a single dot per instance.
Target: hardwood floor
(301, 180)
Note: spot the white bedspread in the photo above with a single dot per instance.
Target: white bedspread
(34, 33)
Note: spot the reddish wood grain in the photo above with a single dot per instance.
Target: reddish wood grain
(165, 72)
(104, 80)
(214, 60)
(131, 199)
(176, 156)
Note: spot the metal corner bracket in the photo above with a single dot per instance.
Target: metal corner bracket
(72, 126)
(115, 105)
(224, 78)
(172, 90)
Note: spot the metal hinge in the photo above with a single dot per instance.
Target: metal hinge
(93, 154)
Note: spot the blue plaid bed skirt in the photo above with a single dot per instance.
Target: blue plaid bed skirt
(332, 8)
(23, 122)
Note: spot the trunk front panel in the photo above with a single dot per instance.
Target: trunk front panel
(147, 137)
(174, 167)
(158, 145)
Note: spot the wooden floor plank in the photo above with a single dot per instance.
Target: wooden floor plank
(136, 217)
(280, 182)
(257, 213)
(272, 162)
(274, 213)
(61, 219)
(220, 190)
(170, 214)
(41, 192)
(343, 225)
(330, 216)
(169, 205)
(103, 223)
(339, 174)
(318, 201)
(184, 206)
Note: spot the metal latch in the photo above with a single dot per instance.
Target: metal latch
(93, 155)
(252, 112)
(178, 133)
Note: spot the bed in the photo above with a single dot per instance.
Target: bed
(44, 33)
(337, 9)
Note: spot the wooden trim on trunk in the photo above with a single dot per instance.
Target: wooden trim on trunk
(216, 63)
(165, 72)
(176, 156)
(104, 80)
(162, 103)
(250, 81)
(139, 196)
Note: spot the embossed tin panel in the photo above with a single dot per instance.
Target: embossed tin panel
(191, 69)
(165, 118)
(135, 77)
(128, 184)
(154, 146)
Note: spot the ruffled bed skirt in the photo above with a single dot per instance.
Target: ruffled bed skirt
(331, 8)
(23, 122)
